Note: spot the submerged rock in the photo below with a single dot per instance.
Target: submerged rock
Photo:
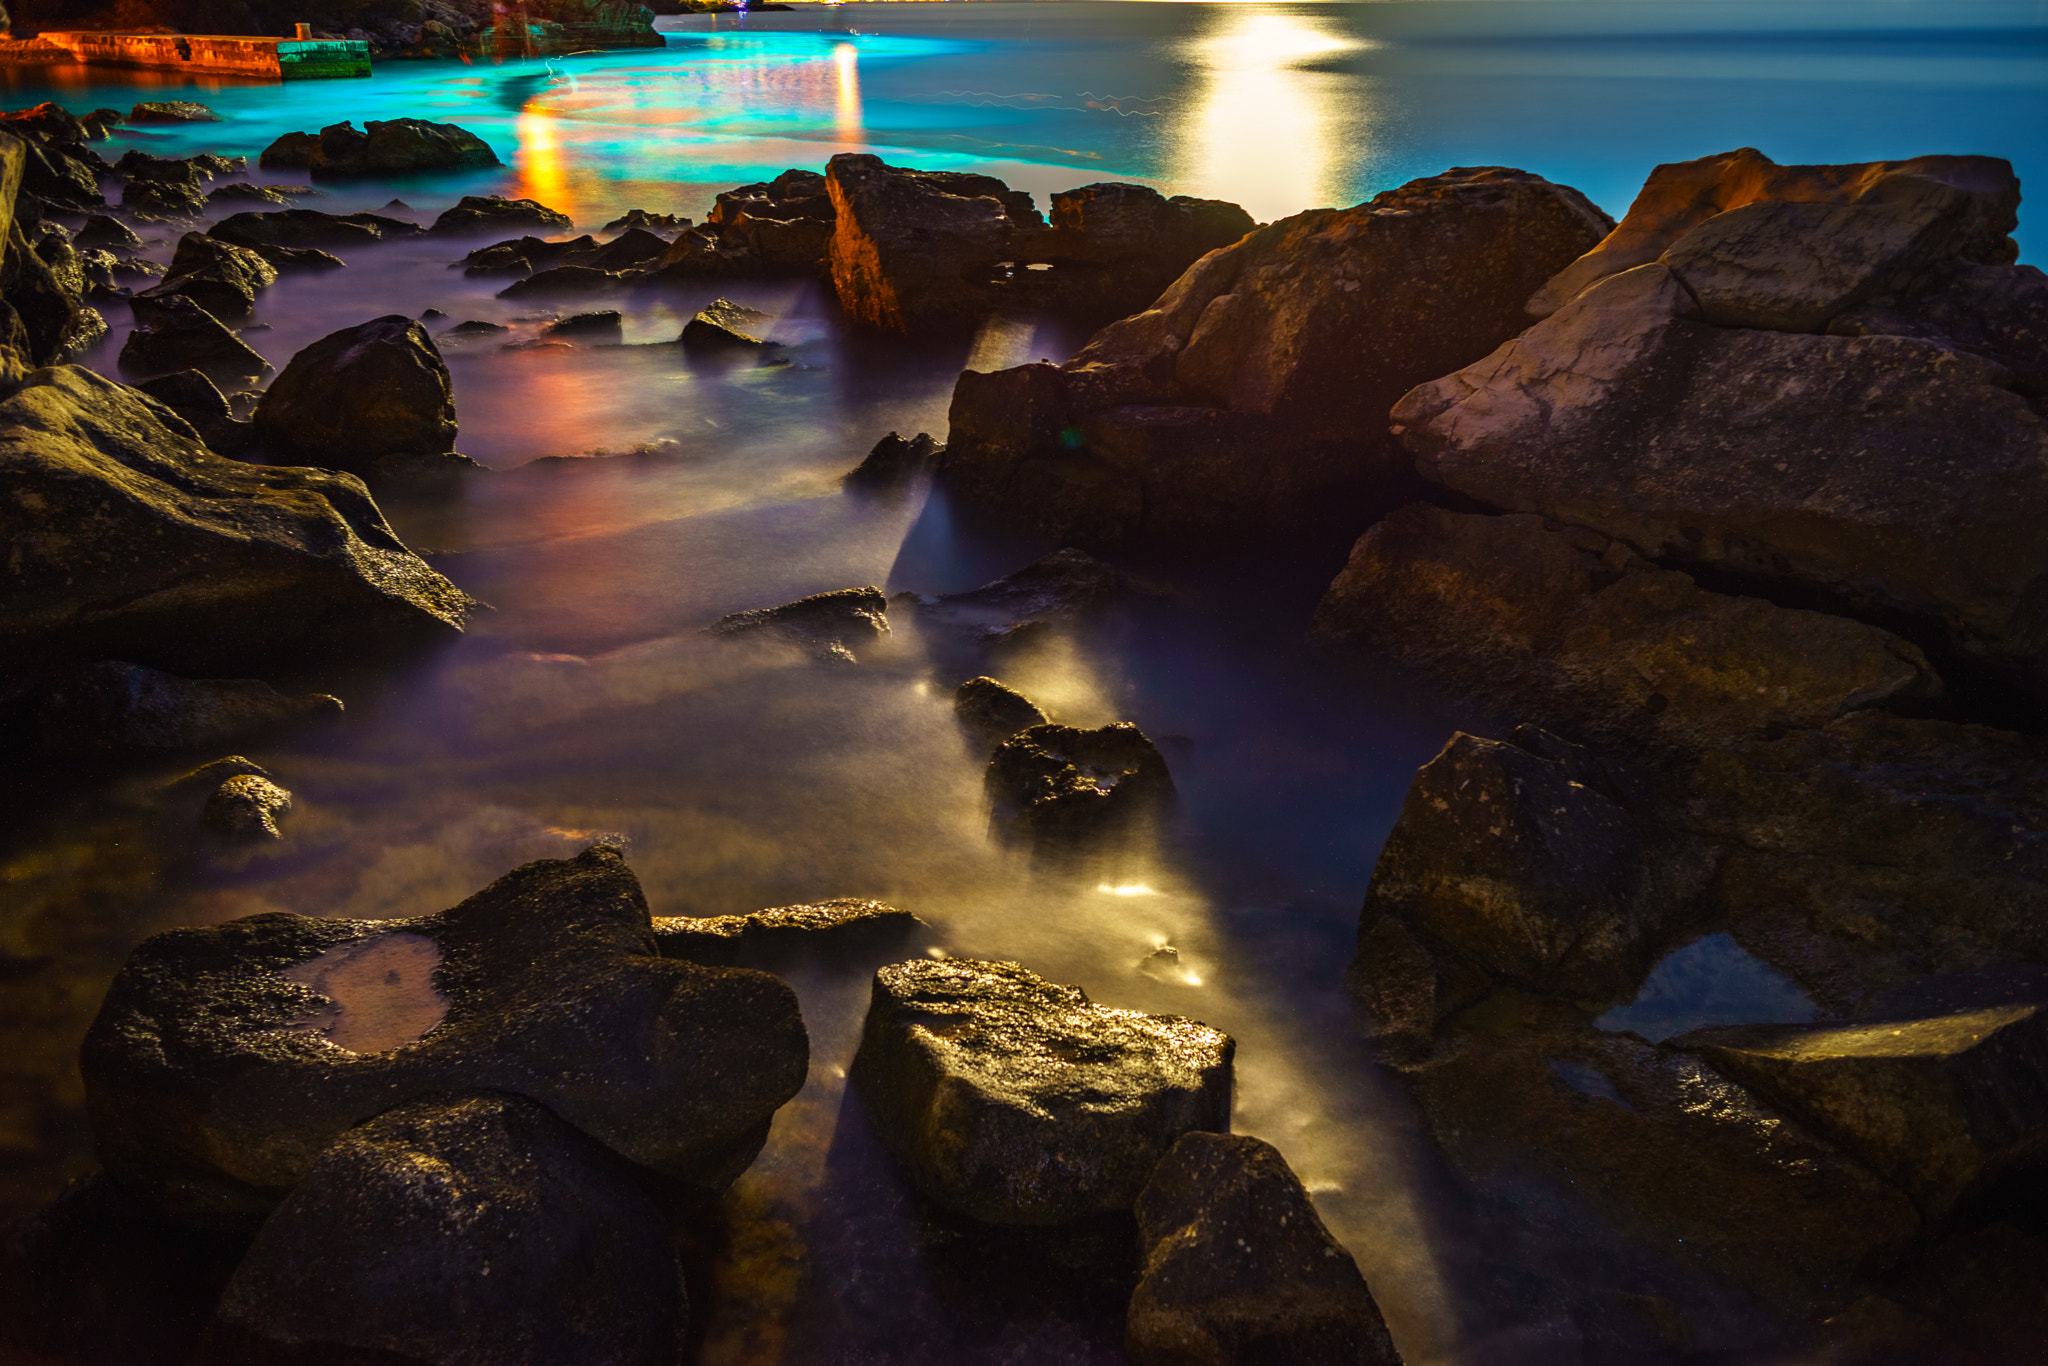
(225, 1059)
(1239, 1270)
(824, 931)
(458, 1230)
(992, 711)
(496, 213)
(723, 325)
(894, 462)
(131, 539)
(111, 706)
(1060, 787)
(1015, 1100)
(824, 623)
(247, 807)
(383, 148)
(172, 111)
(373, 390)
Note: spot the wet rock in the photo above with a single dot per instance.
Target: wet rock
(1958, 208)
(992, 711)
(1943, 1107)
(471, 331)
(98, 230)
(299, 258)
(130, 539)
(1575, 631)
(824, 931)
(916, 251)
(566, 280)
(239, 194)
(482, 1201)
(781, 226)
(173, 190)
(1114, 248)
(894, 463)
(247, 807)
(113, 706)
(195, 398)
(648, 222)
(172, 111)
(174, 333)
(1969, 1300)
(606, 323)
(496, 213)
(308, 228)
(723, 325)
(1251, 398)
(220, 277)
(826, 623)
(225, 1059)
(1061, 787)
(383, 148)
(1015, 1100)
(47, 121)
(701, 253)
(1239, 1268)
(1063, 588)
(377, 389)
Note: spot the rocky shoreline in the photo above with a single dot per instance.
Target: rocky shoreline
(1732, 512)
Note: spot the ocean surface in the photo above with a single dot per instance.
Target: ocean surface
(589, 704)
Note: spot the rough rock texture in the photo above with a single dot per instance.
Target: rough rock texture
(1062, 588)
(219, 276)
(496, 213)
(172, 111)
(916, 251)
(376, 389)
(608, 322)
(824, 623)
(386, 148)
(992, 711)
(781, 226)
(214, 1077)
(1113, 248)
(1943, 1107)
(1058, 787)
(130, 539)
(570, 279)
(196, 398)
(724, 326)
(1577, 631)
(115, 706)
(1252, 396)
(247, 807)
(462, 1230)
(1917, 212)
(824, 931)
(1017, 1101)
(174, 333)
(1898, 476)
(1240, 1271)
(308, 228)
(893, 463)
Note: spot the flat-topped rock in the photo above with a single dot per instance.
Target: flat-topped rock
(821, 931)
(1015, 1100)
(496, 213)
(382, 148)
(827, 624)
(307, 228)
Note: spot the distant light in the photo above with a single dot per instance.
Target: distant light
(1191, 979)
(936, 952)
(1127, 889)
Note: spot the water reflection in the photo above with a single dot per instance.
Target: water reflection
(846, 63)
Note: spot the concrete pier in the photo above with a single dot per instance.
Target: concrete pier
(217, 55)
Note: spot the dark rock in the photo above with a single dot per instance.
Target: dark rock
(299, 258)
(174, 333)
(1064, 587)
(46, 302)
(99, 230)
(495, 213)
(650, 222)
(1991, 311)
(1240, 1270)
(723, 325)
(566, 280)
(824, 931)
(131, 539)
(387, 148)
(44, 122)
(780, 227)
(606, 323)
(630, 249)
(220, 277)
(701, 253)
(111, 706)
(1114, 248)
(307, 228)
(163, 197)
(1970, 1300)
(247, 807)
(51, 173)
(458, 1230)
(1015, 1100)
(1060, 787)
(240, 193)
(916, 251)
(194, 397)
(225, 1059)
(172, 111)
(992, 711)
(472, 330)
(1251, 398)
(376, 389)
(894, 462)
(823, 622)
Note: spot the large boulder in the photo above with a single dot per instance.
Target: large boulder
(130, 539)
(917, 251)
(1252, 396)
(225, 1059)
(1239, 1269)
(373, 390)
(781, 226)
(219, 276)
(389, 147)
(1015, 1100)
(1113, 248)
(465, 1230)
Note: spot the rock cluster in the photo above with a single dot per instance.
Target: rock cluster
(386, 147)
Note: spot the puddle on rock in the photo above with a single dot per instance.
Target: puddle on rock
(382, 992)
(1711, 981)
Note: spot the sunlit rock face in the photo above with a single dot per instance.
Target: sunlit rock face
(1253, 394)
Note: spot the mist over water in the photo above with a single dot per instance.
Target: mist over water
(589, 705)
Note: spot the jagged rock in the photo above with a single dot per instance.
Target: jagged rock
(627, 252)
(171, 111)
(1575, 631)
(383, 148)
(165, 189)
(46, 121)
(917, 251)
(47, 302)
(993, 711)
(822, 622)
(98, 230)
(240, 193)
(566, 280)
(824, 931)
(130, 539)
(459, 1230)
(1963, 208)
(1061, 787)
(377, 389)
(299, 258)
(1114, 248)
(495, 213)
(1015, 1100)
(1251, 398)
(605, 323)
(701, 253)
(247, 807)
(61, 176)
(649, 222)
(723, 325)
(220, 277)
(308, 228)
(225, 1059)
(1991, 311)
(780, 226)
(1238, 1268)
(113, 706)
(174, 333)
(894, 462)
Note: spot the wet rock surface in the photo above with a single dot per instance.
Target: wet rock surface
(219, 276)
(482, 1201)
(175, 333)
(377, 389)
(1238, 1268)
(894, 463)
(827, 624)
(247, 807)
(381, 148)
(992, 711)
(496, 213)
(724, 326)
(1060, 788)
(849, 928)
(1015, 1100)
(115, 706)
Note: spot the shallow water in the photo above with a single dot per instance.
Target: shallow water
(588, 704)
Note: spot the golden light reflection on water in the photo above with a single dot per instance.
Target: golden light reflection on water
(1265, 131)
(846, 66)
(542, 174)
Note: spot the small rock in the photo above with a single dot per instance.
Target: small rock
(98, 230)
(722, 325)
(246, 807)
(824, 931)
(428, 315)
(993, 711)
(1062, 587)
(566, 280)
(172, 111)
(822, 622)
(220, 277)
(894, 462)
(495, 213)
(1239, 1269)
(605, 323)
(1015, 1100)
(649, 222)
(1059, 787)
(470, 331)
